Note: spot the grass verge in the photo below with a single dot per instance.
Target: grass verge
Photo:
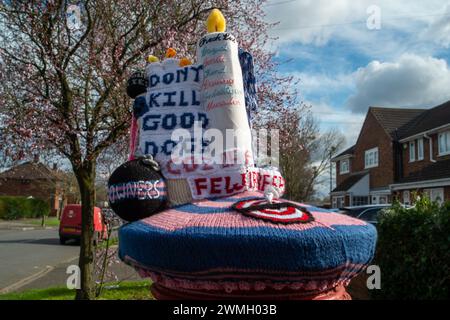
(113, 241)
(126, 290)
(49, 222)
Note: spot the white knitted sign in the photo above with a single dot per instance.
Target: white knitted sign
(173, 101)
(229, 183)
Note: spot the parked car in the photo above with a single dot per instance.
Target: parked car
(368, 213)
(70, 224)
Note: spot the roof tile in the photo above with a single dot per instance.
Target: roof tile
(349, 182)
(30, 171)
(395, 119)
(427, 120)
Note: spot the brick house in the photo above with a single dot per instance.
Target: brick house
(34, 179)
(398, 152)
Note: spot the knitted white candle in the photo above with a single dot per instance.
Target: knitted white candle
(222, 90)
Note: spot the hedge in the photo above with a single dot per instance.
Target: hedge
(413, 252)
(12, 208)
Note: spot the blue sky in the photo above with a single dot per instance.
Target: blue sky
(345, 67)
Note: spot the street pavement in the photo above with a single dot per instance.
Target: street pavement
(24, 253)
(32, 258)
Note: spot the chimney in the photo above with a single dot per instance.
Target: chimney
(36, 158)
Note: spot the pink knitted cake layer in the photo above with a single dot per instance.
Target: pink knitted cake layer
(242, 279)
(176, 219)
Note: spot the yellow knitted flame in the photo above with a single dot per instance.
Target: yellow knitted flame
(216, 21)
(151, 58)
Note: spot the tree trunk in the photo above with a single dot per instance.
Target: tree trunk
(86, 182)
(43, 220)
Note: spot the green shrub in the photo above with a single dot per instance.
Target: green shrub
(12, 208)
(413, 252)
(2, 208)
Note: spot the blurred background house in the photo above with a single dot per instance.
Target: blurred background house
(399, 153)
(35, 179)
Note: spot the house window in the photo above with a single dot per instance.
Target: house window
(444, 143)
(435, 194)
(377, 199)
(371, 158)
(420, 149)
(338, 202)
(412, 151)
(345, 167)
(360, 201)
(406, 197)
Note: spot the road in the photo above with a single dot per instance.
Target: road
(24, 253)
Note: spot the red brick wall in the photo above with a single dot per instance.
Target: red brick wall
(447, 193)
(373, 135)
(410, 167)
(342, 177)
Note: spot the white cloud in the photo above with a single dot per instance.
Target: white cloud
(346, 122)
(403, 25)
(313, 83)
(324, 109)
(439, 30)
(302, 20)
(316, 22)
(412, 81)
